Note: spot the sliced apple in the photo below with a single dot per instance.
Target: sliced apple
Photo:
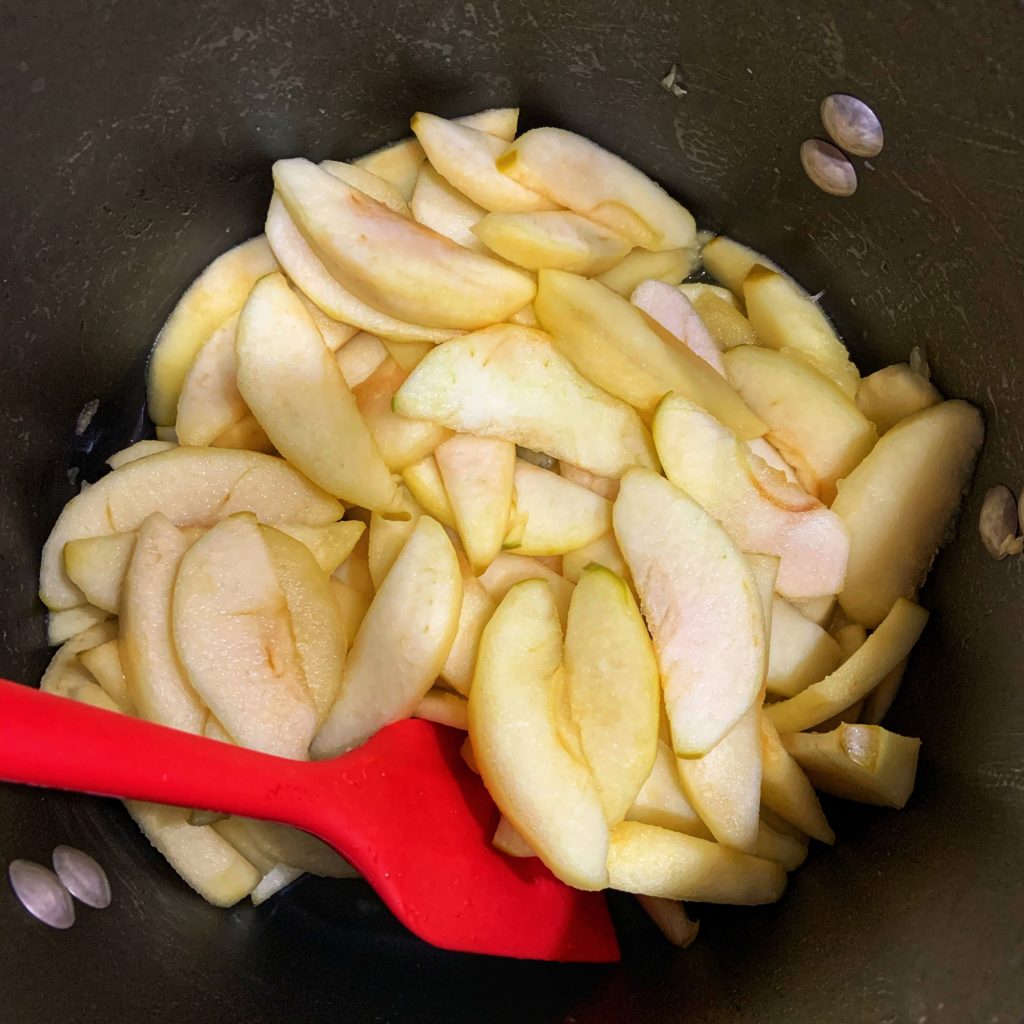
(616, 346)
(234, 636)
(545, 790)
(369, 184)
(800, 653)
(654, 861)
(465, 157)
(672, 310)
(850, 639)
(730, 262)
(613, 686)
(858, 762)
(578, 174)
(857, 677)
(672, 920)
(509, 841)
(167, 434)
(766, 572)
(711, 650)
(785, 789)
(67, 653)
(401, 439)
(552, 239)
(507, 570)
(408, 354)
(446, 210)
(640, 265)
(424, 481)
(892, 394)
(96, 565)
(444, 708)
(66, 623)
(388, 534)
(191, 487)
(781, 848)
(330, 545)
(662, 801)
(355, 570)
(402, 643)
(139, 450)
(725, 323)
(696, 290)
(770, 456)
(334, 332)
(159, 687)
(606, 487)
(394, 264)
(353, 605)
(476, 611)
(215, 295)
(245, 435)
(296, 390)
(819, 610)
(785, 318)
(877, 703)
(360, 357)
(305, 267)
(510, 382)
(899, 504)
(815, 427)
(104, 662)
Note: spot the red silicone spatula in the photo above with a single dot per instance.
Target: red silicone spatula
(403, 809)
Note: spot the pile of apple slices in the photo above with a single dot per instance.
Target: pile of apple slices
(457, 438)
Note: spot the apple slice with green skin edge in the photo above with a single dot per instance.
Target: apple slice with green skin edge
(576, 173)
(543, 787)
(799, 653)
(444, 209)
(305, 267)
(899, 503)
(730, 262)
(785, 318)
(554, 239)
(662, 801)
(402, 643)
(465, 157)
(641, 265)
(234, 637)
(96, 565)
(620, 349)
(191, 487)
(478, 474)
(560, 516)
(218, 292)
(388, 534)
(652, 861)
(317, 626)
(476, 611)
(815, 427)
(508, 569)
(614, 688)
(369, 184)
(359, 358)
(712, 651)
(159, 687)
(865, 763)
(392, 263)
(672, 310)
(893, 393)
(209, 402)
(890, 643)
(292, 383)
(604, 552)
(511, 383)
(786, 790)
(724, 322)
(424, 481)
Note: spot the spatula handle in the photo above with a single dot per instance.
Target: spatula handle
(60, 743)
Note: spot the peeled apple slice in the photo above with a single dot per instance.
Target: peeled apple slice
(191, 487)
(730, 262)
(423, 479)
(446, 210)
(800, 652)
(661, 800)
(96, 565)
(510, 382)
(476, 611)
(369, 184)
(702, 606)
(292, 383)
(894, 393)
(786, 790)
(640, 265)
(726, 324)
(214, 296)
(394, 264)
(507, 570)
(671, 309)
(518, 698)
(139, 450)
(209, 402)
(576, 173)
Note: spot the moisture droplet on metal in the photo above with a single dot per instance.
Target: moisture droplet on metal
(999, 523)
(852, 124)
(828, 168)
(82, 876)
(41, 893)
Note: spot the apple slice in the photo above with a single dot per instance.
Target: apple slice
(245, 435)
(785, 318)
(65, 657)
(770, 456)
(670, 266)
(476, 611)
(388, 534)
(724, 322)
(559, 515)
(295, 389)
(234, 637)
(815, 427)
(892, 394)
(604, 552)
(465, 157)
(96, 565)
(858, 762)
(724, 786)
(820, 610)
(553, 239)
(654, 861)
(360, 357)
(305, 267)
(402, 643)
(218, 292)
(857, 677)
(518, 725)
(785, 789)
(67, 623)
(139, 450)
(662, 801)
(606, 487)
(899, 504)
(784, 849)
(370, 184)
(191, 487)
(159, 688)
(578, 174)
(730, 262)
(800, 653)
(353, 605)
(408, 354)
(509, 841)
(510, 382)
(507, 570)
(701, 603)
(394, 264)
(444, 708)
(402, 440)
(613, 686)
(672, 310)
(424, 481)
(104, 662)
(446, 210)
(766, 571)
(880, 700)
(696, 290)
(672, 920)
(334, 332)
(209, 402)
(316, 623)
(330, 545)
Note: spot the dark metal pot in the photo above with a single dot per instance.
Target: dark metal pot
(138, 140)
